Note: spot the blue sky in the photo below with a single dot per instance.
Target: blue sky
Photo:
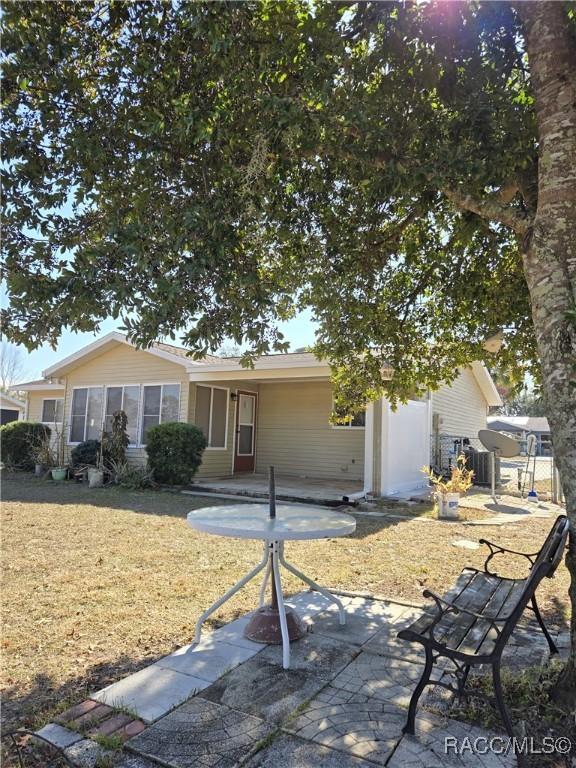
(299, 332)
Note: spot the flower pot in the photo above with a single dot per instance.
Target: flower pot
(59, 473)
(95, 477)
(451, 506)
(439, 500)
(39, 470)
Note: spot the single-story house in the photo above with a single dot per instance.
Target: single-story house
(276, 413)
(11, 409)
(519, 427)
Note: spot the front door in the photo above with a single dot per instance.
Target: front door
(245, 446)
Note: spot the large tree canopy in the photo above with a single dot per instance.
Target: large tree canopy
(216, 167)
(407, 170)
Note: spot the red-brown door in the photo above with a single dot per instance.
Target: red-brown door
(245, 444)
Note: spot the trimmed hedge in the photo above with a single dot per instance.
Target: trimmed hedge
(174, 451)
(17, 440)
(85, 454)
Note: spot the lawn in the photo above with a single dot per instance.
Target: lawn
(98, 583)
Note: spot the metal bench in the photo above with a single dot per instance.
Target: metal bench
(471, 624)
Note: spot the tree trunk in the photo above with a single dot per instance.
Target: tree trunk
(550, 255)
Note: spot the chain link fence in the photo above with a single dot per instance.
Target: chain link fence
(515, 477)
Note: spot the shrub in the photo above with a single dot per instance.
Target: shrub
(86, 453)
(18, 440)
(130, 475)
(117, 440)
(174, 451)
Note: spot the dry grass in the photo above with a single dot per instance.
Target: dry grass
(98, 583)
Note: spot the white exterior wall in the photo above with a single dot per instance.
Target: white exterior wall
(405, 447)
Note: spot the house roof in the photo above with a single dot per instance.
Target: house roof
(290, 365)
(11, 402)
(39, 384)
(520, 423)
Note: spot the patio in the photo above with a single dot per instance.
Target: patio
(288, 488)
(228, 702)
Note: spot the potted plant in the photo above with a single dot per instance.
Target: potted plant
(447, 492)
(96, 474)
(60, 469)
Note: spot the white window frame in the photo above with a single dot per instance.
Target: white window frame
(209, 436)
(141, 414)
(86, 386)
(349, 425)
(137, 444)
(46, 399)
(254, 396)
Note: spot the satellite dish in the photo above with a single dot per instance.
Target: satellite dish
(503, 446)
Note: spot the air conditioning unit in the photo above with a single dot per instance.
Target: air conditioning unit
(479, 462)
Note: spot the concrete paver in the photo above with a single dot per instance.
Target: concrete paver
(201, 734)
(320, 656)
(266, 690)
(208, 660)
(152, 692)
(354, 723)
(293, 752)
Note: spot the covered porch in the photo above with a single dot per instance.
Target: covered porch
(278, 414)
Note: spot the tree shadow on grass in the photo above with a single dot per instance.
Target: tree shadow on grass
(45, 698)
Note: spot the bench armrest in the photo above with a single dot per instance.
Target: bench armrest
(497, 549)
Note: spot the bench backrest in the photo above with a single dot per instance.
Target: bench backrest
(553, 548)
(545, 564)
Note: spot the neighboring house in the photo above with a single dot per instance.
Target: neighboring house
(274, 414)
(11, 409)
(519, 427)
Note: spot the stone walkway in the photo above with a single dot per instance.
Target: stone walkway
(229, 702)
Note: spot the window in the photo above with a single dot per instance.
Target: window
(86, 414)
(52, 411)
(127, 399)
(357, 420)
(212, 414)
(160, 403)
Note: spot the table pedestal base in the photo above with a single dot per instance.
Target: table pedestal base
(265, 626)
(273, 557)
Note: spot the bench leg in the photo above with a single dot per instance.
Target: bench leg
(540, 620)
(500, 699)
(409, 727)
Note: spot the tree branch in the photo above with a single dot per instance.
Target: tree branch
(491, 210)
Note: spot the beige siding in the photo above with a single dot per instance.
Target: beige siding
(217, 462)
(294, 433)
(461, 406)
(35, 400)
(125, 365)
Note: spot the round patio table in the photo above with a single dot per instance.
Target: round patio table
(294, 522)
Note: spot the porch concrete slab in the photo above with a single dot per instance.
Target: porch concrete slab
(317, 655)
(59, 736)
(288, 487)
(208, 660)
(364, 618)
(201, 733)
(152, 692)
(432, 746)
(263, 689)
(381, 677)
(361, 726)
(293, 752)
